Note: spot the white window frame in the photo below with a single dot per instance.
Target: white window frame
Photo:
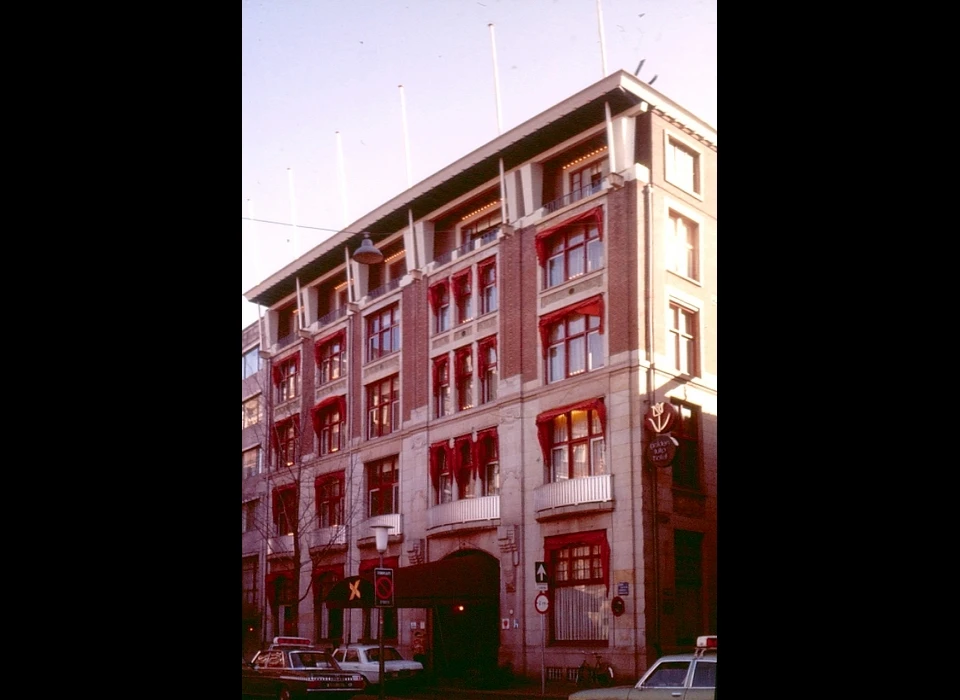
(672, 205)
(669, 172)
(696, 306)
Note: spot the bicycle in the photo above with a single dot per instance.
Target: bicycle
(600, 673)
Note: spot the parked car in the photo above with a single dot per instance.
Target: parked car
(690, 676)
(365, 659)
(292, 667)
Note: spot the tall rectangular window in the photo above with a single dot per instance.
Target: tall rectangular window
(286, 510)
(251, 462)
(464, 368)
(250, 515)
(575, 347)
(573, 251)
(332, 358)
(682, 246)
(686, 463)
(383, 407)
(587, 181)
(328, 419)
(287, 441)
(249, 581)
(463, 291)
(251, 362)
(487, 360)
(682, 347)
(383, 332)
(445, 487)
(576, 445)
(252, 412)
(286, 377)
(330, 488)
(682, 166)
(487, 283)
(440, 301)
(383, 487)
(443, 404)
(579, 565)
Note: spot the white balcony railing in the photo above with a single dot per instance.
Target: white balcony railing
(571, 492)
(324, 537)
(466, 510)
(281, 544)
(393, 520)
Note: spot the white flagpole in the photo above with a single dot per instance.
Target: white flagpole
(406, 138)
(603, 47)
(293, 214)
(342, 176)
(496, 79)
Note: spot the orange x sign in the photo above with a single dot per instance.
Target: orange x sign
(354, 589)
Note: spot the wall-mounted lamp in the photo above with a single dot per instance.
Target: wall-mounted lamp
(368, 253)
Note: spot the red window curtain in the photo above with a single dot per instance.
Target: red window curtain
(482, 267)
(339, 401)
(484, 448)
(545, 422)
(588, 307)
(279, 365)
(435, 451)
(340, 334)
(436, 294)
(595, 537)
(463, 450)
(271, 584)
(594, 215)
(457, 280)
(280, 426)
(460, 359)
(482, 348)
(320, 481)
(437, 366)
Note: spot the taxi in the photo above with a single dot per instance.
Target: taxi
(292, 667)
(691, 676)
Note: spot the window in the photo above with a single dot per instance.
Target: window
(286, 441)
(579, 564)
(330, 488)
(572, 339)
(487, 282)
(443, 406)
(686, 463)
(468, 469)
(688, 579)
(285, 376)
(286, 510)
(682, 166)
(250, 515)
(332, 357)
(485, 227)
(587, 181)
(383, 332)
(682, 338)
(464, 368)
(682, 246)
(669, 674)
(329, 622)
(440, 300)
(574, 441)
(251, 362)
(383, 487)
(383, 407)
(251, 462)
(463, 291)
(487, 360)
(328, 419)
(484, 478)
(252, 411)
(249, 584)
(444, 466)
(572, 248)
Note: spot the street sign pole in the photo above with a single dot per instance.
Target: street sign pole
(543, 667)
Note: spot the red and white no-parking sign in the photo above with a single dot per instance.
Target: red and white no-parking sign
(383, 588)
(541, 603)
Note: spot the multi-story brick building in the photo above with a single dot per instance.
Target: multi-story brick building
(529, 375)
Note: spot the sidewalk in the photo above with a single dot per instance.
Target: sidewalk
(445, 689)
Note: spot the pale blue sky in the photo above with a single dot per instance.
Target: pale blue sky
(311, 68)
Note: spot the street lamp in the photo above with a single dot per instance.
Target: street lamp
(382, 534)
(367, 253)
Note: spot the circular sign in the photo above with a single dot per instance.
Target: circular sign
(541, 603)
(617, 606)
(661, 449)
(385, 587)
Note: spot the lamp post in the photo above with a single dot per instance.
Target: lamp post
(382, 534)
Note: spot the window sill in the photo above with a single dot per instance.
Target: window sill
(691, 280)
(683, 189)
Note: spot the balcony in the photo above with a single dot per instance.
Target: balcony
(331, 316)
(328, 537)
(365, 534)
(574, 196)
(384, 289)
(466, 510)
(280, 545)
(574, 495)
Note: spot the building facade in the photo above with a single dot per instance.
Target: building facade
(524, 390)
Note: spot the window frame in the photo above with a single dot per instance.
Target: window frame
(247, 420)
(287, 441)
(330, 507)
(440, 303)
(250, 514)
(442, 393)
(671, 168)
(387, 410)
(590, 225)
(487, 287)
(466, 386)
(687, 337)
(564, 630)
(245, 371)
(462, 284)
(286, 379)
(687, 463)
(378, 482)
(257, 466)
(383, 330)
(281, 506)
(329, 425)
(331, 356)
(487, 370)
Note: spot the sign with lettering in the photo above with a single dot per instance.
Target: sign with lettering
(661, 450)
(383, 588)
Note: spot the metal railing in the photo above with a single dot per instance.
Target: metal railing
(571, 492)
(328, 536)
(574, 196)
(383, 289)
(331, 316)
(393, 520)
(465, 510)
(286, 340)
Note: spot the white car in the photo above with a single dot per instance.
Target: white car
(365, 659)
